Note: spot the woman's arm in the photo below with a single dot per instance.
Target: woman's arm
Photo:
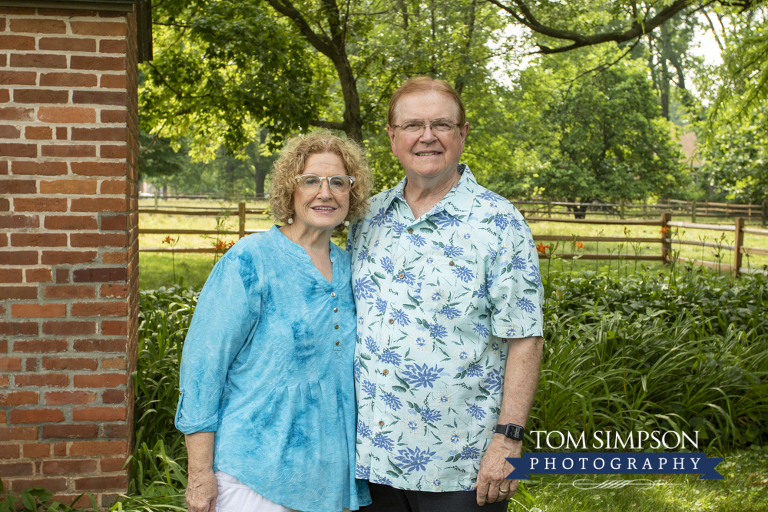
(202, 488)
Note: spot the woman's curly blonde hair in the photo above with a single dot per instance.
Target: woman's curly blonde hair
(294, 157)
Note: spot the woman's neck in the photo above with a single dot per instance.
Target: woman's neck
(314, 241)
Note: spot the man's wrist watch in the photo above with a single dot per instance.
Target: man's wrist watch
(512, 431)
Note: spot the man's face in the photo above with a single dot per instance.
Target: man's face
(427, 154)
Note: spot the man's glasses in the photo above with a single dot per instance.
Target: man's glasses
(438, 125)
(311, 183)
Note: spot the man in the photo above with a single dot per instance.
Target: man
(448, 291)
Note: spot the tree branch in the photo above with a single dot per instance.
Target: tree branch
(321, 44)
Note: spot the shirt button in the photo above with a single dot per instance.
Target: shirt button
(335, 326)
(381, 423)
(338, 343)
(401, 275)
(335, 310)
(385, 372)
(333, 294)
(410, 230)
(451, 263)
(391, 320)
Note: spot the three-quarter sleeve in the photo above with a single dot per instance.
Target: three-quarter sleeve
(226, 311)
(514, 284)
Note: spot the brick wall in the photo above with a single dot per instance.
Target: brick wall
(68, 249)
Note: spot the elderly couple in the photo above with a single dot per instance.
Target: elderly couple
(396, 376)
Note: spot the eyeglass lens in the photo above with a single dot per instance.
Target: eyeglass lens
(339, 184)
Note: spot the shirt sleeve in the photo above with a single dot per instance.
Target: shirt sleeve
(225, 314)
(514, 283)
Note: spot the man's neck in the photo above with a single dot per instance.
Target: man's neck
(421, 196)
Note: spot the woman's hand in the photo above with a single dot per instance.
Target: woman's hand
(202, 490)
(202, 487)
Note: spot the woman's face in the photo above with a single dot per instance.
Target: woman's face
(321, 209)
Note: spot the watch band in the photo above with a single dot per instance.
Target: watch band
(512, 431)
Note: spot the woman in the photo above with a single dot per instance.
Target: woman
(266, 389)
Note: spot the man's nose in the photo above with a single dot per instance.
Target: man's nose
(428, 135)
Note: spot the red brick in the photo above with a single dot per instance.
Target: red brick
(5, 206)
(18, 433)
(69, 397)
(38, 239)
(100, 345)
(70, 431)
(40, 96)
(5, 95)
(38, 275)
(114, 81)
(114, 327)
(113, 396)
(97, 63)
(65, 327)
(10, 275)
(101, 482)
(67, 114)
(113, 464)
(68, 80)
(17, 42)
(67, 257)
(79, 187)
(49, 484)
(99, 205)
(98, 275)
(36, 415)
(101, 28)
(119, 430)
(113, 222)
(113, 151)
(15, 398)
(9, 451)
(66, 12)
(62, 275)
(38, 133)
(113, 46)
(61, 132)
(69, 150)
(69, 467)
(98, 448)
(38, 310)
(40, 204)
(5, 382)
(52, 380)
(10, 364)
(100, 97)
(100, 134)
(4, 167)
(40, 346)
(17, 10)
(17, 292)
(98, 413)
(75, 222)
(114, 116)
(22, 150)
(114, 187)
(99, 168)
(18, 258)
(31, 365)
(16, 114)
(19, 328)
(39, 168)
(38, 60)
(69, 363)
(38, 26)
(37, 450)
(100, 309)
(9, 132)
(18, 186)
(16, 469)
(98, 240)
(100, 380)
(67, 44)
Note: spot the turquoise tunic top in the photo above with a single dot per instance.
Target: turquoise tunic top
(267, 365)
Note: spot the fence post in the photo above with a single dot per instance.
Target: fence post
(666, 244)
(621, 209)
(765, 211)
(738, 242)
(549, 207)
(241, 214)
(693, 212)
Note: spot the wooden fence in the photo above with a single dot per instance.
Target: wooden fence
(665, 239)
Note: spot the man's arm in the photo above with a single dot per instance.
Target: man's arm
(521, 378)
(202, 488)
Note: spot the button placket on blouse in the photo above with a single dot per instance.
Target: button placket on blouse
(336, 310)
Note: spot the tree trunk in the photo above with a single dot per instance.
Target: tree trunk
(665, 76)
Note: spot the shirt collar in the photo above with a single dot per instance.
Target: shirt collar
(457, 202)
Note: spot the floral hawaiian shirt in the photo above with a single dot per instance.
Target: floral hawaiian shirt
(436, 297)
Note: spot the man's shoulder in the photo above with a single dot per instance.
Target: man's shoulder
(496, 203)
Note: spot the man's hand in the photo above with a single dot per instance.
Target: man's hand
(491, 485)
(202, 490)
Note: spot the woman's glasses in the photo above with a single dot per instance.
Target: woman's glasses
(311, 183)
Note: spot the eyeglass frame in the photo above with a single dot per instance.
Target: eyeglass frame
(329, 178)
(431, 125)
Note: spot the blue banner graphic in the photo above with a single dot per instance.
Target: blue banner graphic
(605, 463)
